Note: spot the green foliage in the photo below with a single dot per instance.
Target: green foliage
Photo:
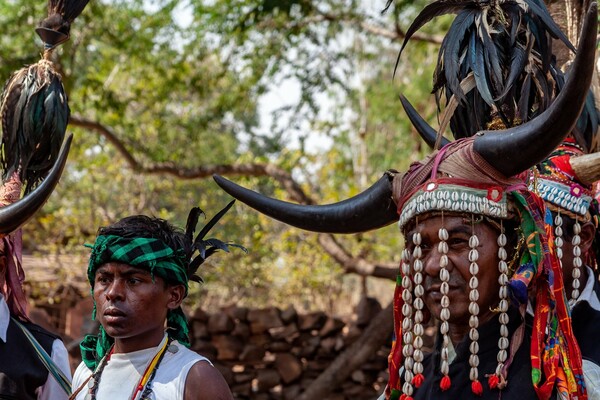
(187, 94)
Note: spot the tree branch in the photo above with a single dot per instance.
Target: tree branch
(350, 264)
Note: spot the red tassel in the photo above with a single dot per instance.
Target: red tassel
(403, 396)
(493, 381)
(445, 383)
(418, 380)
(477, 388)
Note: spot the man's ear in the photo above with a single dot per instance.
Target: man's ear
(588, 232)
(176, 296)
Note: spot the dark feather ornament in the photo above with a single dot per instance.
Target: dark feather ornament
(202, 248)
(34, 109)
(505, 45)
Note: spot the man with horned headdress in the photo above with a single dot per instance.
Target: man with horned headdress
(565, 188)
(34, 111)
(477, 249)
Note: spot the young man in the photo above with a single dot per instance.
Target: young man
(477, 249)
(139, 271)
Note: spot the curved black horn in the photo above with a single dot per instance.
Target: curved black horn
(368, 210)
(14, 215)
(517, 149)
(427, 133)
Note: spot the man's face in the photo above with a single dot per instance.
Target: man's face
(459, 231)
(132, 306)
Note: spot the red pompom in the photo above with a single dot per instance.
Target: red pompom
(418, 380)
(445, 383)
(403, 397)
(477, 388)
(493, 381)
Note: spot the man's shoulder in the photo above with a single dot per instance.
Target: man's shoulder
(40, 332)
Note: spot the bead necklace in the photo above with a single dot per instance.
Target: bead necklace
(145, 382)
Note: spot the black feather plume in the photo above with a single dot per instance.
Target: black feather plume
(202, 248)
(34, 109)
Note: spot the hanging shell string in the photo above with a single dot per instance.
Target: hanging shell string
(94, 381)
(407, 324)
(498, 380)
(445, 303)
(474, 311)
(577, 263)
(418, 305)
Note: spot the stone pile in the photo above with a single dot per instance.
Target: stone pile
(275, 354)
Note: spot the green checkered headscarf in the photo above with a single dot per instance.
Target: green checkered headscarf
(146, 253)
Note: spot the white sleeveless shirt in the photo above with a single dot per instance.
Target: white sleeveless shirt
(123, 372)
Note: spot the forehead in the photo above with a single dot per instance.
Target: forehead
(452, 223)
(120, 268)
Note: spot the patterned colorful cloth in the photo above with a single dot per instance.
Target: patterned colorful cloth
(146, 253)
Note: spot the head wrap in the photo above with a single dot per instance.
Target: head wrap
(456, 179)
(148, 254)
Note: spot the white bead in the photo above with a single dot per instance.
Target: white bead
(576, 273)
(418, 265)
(503, 305)
(474, 347)
(418, 302)
(443, 234)
(575, 293)
(444, 275)
(473, 374)
(417, 238)
(443, 247)
(474, 295)
(406, 310)
(418, 342)
(577, 251)
(473, 334)
(406, 324)
(577, 228)
(473, 360)
(473, 268)
(418, 316)
(419, 330)
(502, 356)
(473, 282)
(503, 318)
(473, 241)
(502, 240)
(408, 337)
(443, 261)
(558, 241)
(444, 327)
(503, 279)
(503, 267)
(473, 255)
(502, 253)
(417, 252)
(444, 288)
(473, 321)
(503, 331)
(444, 353)
(559, 253)
(577, 263)
(576, 284)
(445, 314)
(444, 368)
(503, 292)
(418, 368)
(445, 301)
(503, 343)
(558, 220)
(473, 308)
(418, 278)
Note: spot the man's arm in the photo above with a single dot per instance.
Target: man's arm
(205, 382)
(51, 389)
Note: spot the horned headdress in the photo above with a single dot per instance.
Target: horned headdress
(478, 175)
